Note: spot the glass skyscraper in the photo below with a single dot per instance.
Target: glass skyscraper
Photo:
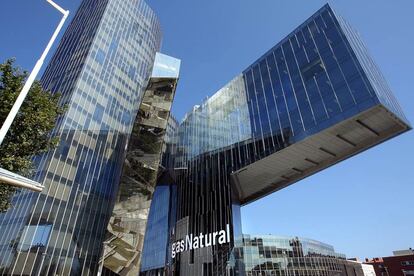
(104, 70)
(314, 99)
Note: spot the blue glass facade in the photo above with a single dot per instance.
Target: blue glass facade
(314, 99)
(308, 82)
(101, 68)
(311, 80)
(157, 233)
(371, 69)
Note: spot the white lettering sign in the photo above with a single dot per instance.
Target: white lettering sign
(192, 242)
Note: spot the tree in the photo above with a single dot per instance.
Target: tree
(29, 134)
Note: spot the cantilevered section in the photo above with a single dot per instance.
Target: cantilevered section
(19, 181)
(314, 99)
(317, 152)
(339, 63)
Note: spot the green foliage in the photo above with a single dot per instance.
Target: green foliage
(29, 134)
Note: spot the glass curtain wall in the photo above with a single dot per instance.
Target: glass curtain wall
(309, 82)
(101, 68)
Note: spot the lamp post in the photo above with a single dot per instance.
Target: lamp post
(6, 176)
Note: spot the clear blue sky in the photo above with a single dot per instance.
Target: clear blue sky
(363, 206)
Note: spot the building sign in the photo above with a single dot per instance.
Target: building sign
(192, 242)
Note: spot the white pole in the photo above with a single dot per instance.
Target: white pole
(6, 176)
(17, 180)
(19, 101)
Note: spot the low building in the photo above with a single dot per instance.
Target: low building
(275, 255)
(400, 264)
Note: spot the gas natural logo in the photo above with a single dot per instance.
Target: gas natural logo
(203, 240)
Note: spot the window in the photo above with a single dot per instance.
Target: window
(34, 237)
(131, 72)
(100, 56)
(312, 69)
(404, 263)
(98, 114)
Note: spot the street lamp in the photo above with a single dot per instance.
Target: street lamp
(6, 176)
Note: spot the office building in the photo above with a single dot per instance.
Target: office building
(400, 264)
(99, 180)
(313, 100)
(276, 255)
